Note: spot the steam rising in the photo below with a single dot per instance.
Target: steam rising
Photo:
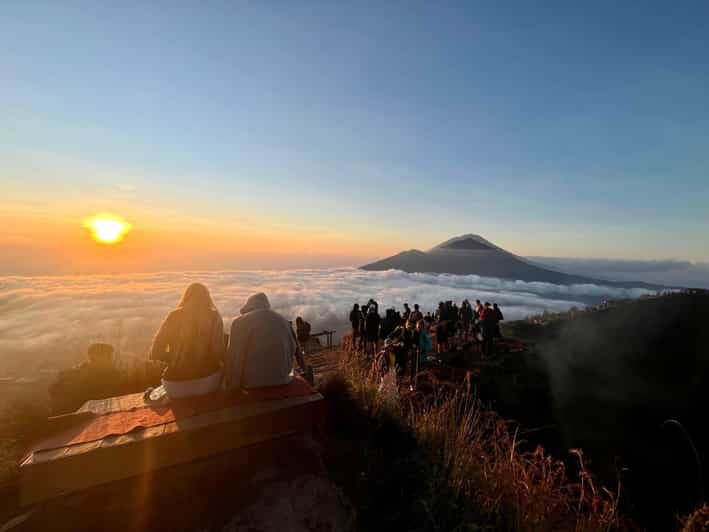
(50, 320)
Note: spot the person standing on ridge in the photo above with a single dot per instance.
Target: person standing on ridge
(302, 332)
(487, 320)
(355, 319)
(497, 313)
(416, 315)
(466, 317)
(425, 342)
(362, 332)
(406, 314)
(371, 326)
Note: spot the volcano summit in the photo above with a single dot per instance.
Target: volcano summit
(473, 255)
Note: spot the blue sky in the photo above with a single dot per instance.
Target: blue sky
(550, 128)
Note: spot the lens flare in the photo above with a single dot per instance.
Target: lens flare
(107, 228)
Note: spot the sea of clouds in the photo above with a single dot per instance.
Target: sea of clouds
(47, 322)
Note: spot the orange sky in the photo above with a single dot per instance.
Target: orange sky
(36, 243)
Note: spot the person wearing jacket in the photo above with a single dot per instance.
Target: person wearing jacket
(302, 329)
(498, 317)
(355, 319)
(425, 342)
(261, 349)
(371, 329)
(487, 320)
(401, 341)
(416, 315)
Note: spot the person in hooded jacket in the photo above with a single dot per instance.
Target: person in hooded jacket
(261, 349)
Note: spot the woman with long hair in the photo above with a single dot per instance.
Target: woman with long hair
(191, 343)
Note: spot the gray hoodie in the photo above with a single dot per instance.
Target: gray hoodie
(261, 347)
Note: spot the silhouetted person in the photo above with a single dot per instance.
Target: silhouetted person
(416, 314)
(371, 326)
(262, 346)
(466, 317)
(441, 337)
(362, 331)
(487, 321)
(96, 378)
(497, 314)
(401, 341)
(407, 313)
(413, 350)
(478, 309)
(425, 342)
(389, 323)
(191, 343)
(441, 312)
(302, 332)
(355, 321)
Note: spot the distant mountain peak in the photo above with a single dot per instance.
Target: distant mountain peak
(471, 254)
(467, 242)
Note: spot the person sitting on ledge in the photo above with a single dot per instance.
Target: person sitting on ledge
(95, 378)
(191, 343)
(262, 345)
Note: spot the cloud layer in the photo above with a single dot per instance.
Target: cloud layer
(51, 320)
(663, 272)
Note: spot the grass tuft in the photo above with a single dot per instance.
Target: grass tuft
(460, 464)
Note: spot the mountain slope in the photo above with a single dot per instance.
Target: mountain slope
(473, 255)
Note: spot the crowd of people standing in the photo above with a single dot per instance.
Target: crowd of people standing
(411, 334)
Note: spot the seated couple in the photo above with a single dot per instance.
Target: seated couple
(191, 343)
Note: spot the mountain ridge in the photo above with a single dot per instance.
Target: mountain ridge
(471, 254)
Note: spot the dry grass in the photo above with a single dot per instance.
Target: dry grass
(478, 458)
(697, 521)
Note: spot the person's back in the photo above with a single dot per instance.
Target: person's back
(302, 331)
(191, 339)
(498, 313)
(261, 347)
(355, 317)
(372, 323)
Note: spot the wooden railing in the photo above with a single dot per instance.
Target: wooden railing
(328, 337)
(327, 334)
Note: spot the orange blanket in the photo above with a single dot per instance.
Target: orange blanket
(97, 427)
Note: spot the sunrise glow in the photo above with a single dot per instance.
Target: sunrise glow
(107, 229)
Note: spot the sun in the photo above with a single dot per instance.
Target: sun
(107, 228)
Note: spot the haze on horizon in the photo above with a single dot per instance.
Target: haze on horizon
(290, 135)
